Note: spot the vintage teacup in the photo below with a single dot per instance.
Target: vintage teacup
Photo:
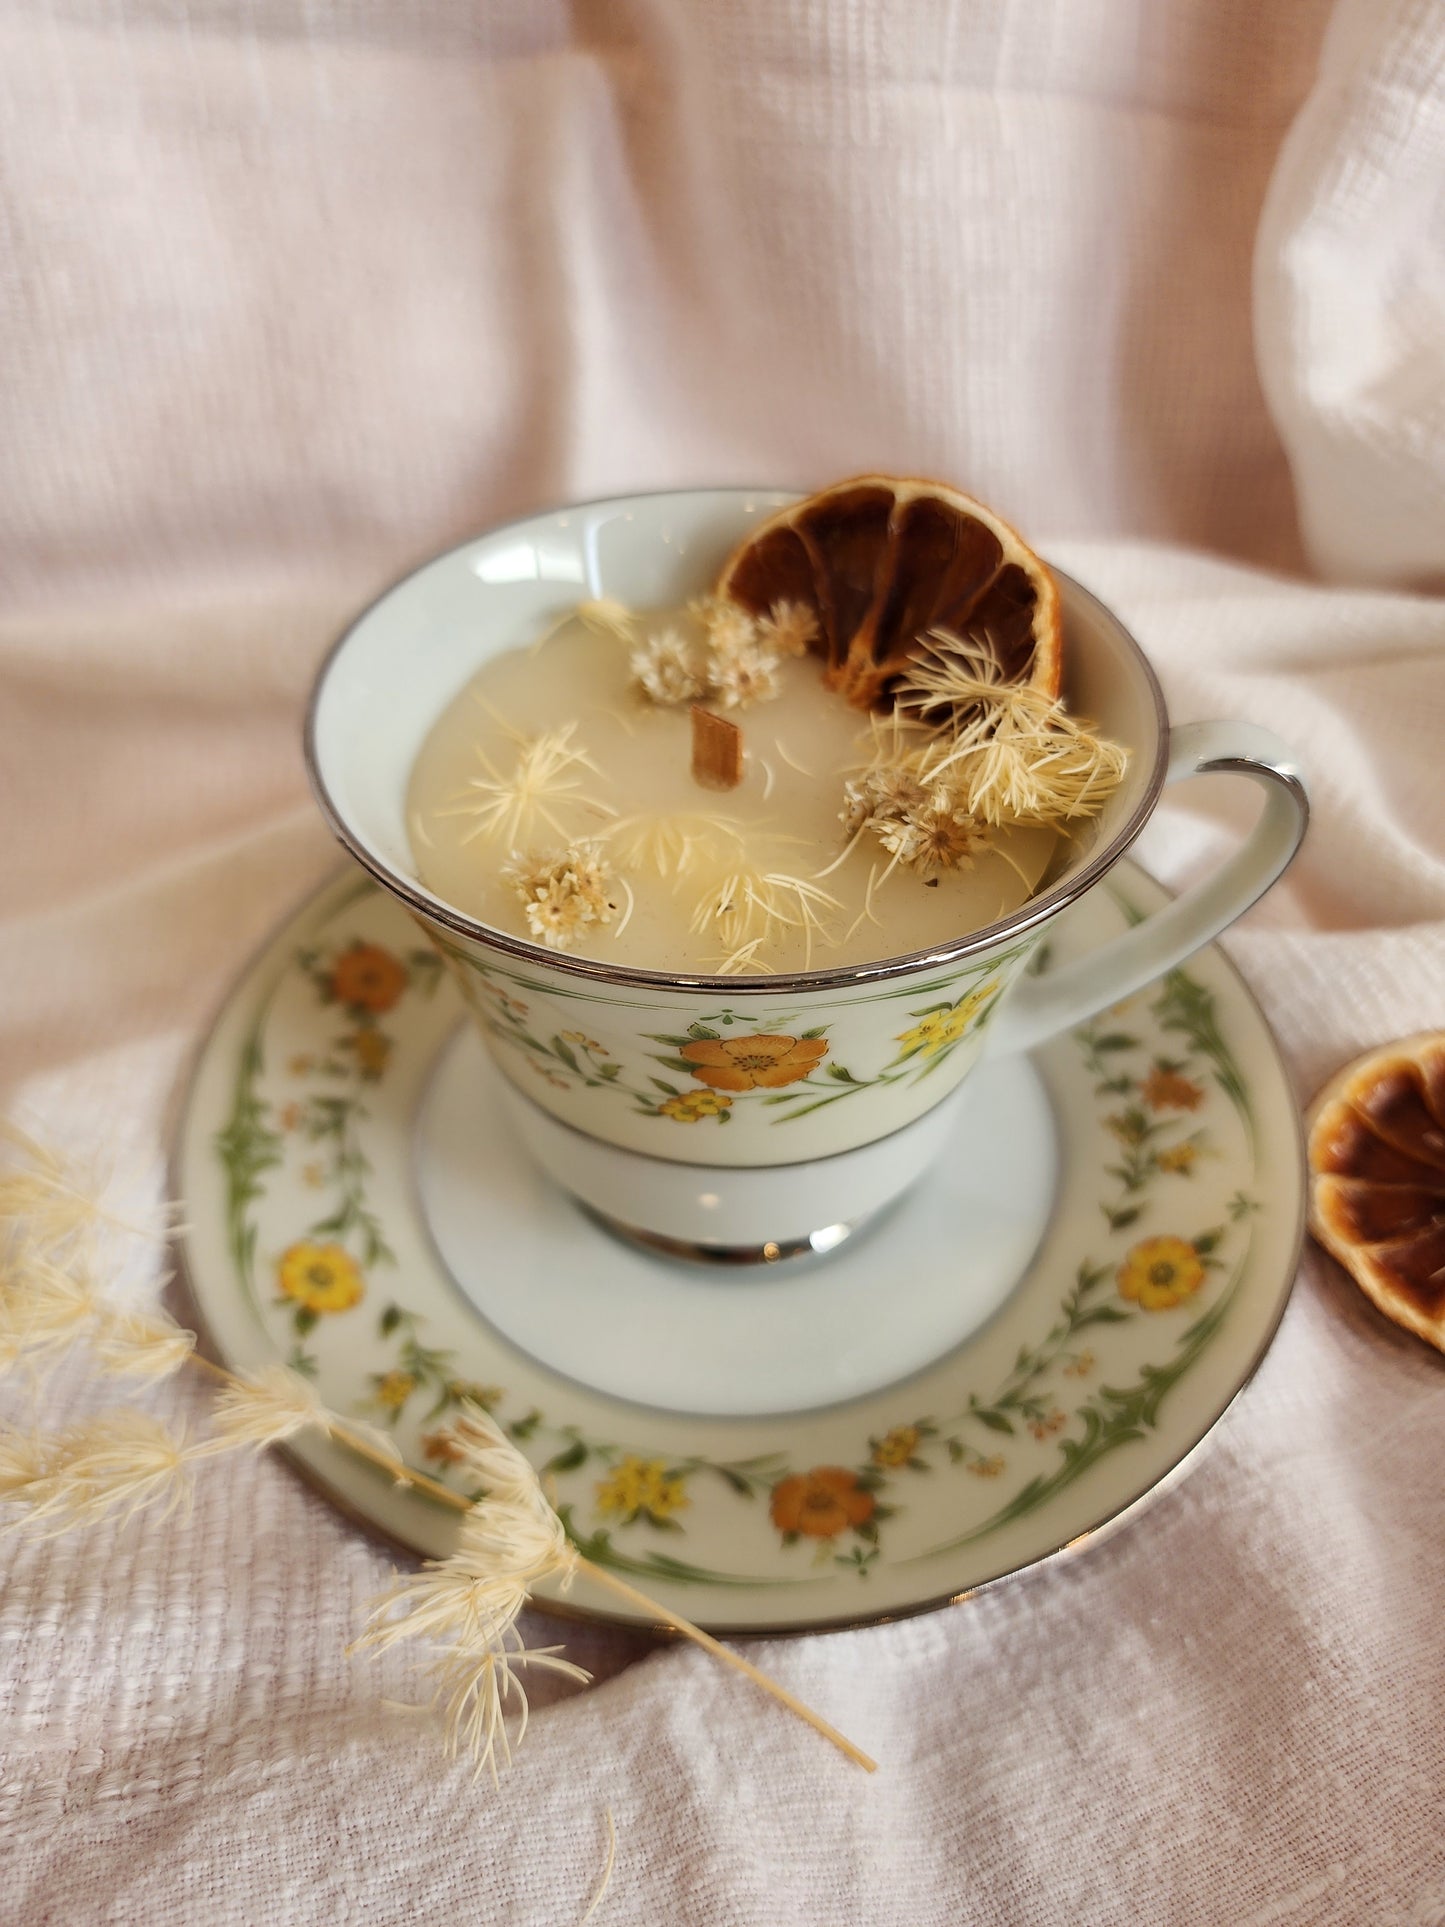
(832, 1083)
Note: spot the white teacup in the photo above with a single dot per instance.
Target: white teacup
(641, 1143)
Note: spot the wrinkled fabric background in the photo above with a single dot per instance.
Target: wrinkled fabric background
(293, 292)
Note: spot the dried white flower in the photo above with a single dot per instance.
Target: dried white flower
(563, 896)
(1038, 777)
(1015, 753)
(510, 1541)
(24, 1458)
(131, 1344)
(926, 825)
(264, 1407)
(663, 669)
(788, 629)
(747, 908)
(43, 1308)
(887, 790)
(727, 626)
(509, 804)
(675, 843)
(739, 666)
(932, 835)
(606, 616)
(120, 1462)
(742, 676)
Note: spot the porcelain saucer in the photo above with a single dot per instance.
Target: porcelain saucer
(1033, 1342)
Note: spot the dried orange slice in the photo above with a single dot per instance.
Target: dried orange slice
(1377, 1178)
(880, 561)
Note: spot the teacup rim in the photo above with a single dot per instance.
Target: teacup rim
(432, 909)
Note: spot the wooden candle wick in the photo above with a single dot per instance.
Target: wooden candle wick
(717, 750)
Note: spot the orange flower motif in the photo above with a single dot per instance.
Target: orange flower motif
(1160, 1273)
(289, 1117)
(1051, 1422)
(442, 1447)
(821, 1503)
(372, 1052)
(368, 978)
(1167, 1091)
(748, 1063)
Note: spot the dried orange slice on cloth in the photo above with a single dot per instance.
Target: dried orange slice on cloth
(880, 561)
(1377, 1178)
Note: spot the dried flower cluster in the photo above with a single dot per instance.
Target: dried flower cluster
(925, 825)
(1014, 753)
(665, 670)
(735, 659)
(563, 896)
(967, 754)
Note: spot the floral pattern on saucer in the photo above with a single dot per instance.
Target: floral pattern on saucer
(1164, 1085)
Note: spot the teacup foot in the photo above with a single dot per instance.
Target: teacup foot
(630, 1317)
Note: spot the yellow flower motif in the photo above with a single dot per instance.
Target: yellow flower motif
(690, 1106)
(313, 1174)
(393, 1389)
(637, 1486)
(587, 1043)
(320, 1277)
(1179, 1157)
(1081, 1366)
(1160, 1273)
(937, 1029)
(988, 1468)
(896, 1447)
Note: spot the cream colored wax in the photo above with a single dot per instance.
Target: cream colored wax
(702, 881)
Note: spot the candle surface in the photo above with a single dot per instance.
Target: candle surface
(553, 747)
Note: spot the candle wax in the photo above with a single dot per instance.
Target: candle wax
(709, 873)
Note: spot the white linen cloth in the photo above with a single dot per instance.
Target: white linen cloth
(294, 294)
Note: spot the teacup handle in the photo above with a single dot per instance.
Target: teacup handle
(1041, 1006)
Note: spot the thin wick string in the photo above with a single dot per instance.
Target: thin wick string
(404, 1475)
